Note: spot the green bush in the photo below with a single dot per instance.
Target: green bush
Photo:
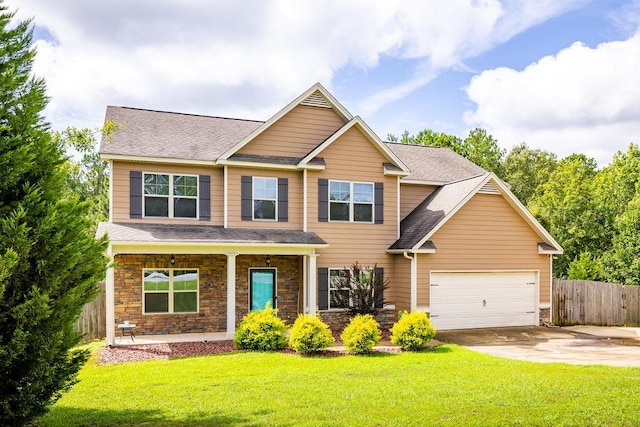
(309, 334)
(361, 334)
(412, 331)
(261, 330)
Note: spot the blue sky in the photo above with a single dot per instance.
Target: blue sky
(560, 75)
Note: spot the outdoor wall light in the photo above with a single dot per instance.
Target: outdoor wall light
(268, 260)
(172, 260)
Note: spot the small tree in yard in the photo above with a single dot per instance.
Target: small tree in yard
(50, 263)
(360, 290)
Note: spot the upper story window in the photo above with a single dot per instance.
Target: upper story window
(265, 198)
(170, 196)
(350, 201)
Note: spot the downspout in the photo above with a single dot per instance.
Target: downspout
(414, 279)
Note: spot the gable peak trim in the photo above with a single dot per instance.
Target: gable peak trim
(330, 99)
(316, 100)
(488, 188)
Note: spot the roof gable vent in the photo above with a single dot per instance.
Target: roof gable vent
(489, 188)
(316, 100)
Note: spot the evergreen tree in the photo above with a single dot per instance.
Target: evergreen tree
(49, 261)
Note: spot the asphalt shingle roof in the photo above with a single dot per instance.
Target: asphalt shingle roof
(148, 133)
(434, 164)
(433, 210)
(159, 233)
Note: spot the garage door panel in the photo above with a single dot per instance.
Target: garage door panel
(483, 299)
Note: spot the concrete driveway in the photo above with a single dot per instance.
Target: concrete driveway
(581, 345)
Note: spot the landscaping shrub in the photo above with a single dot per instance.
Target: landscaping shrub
(261, 330)
(412, 331)
(309, 334)
(361, 334)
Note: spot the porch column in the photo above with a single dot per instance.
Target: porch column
(231, 295)
(313, 284)
(110, 303)
(414, 282)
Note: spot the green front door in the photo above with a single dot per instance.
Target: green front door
(262, 288)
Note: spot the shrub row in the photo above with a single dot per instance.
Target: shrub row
(263, 330)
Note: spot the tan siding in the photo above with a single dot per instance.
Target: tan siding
(411, 195)
(401, 283)
(486, 234)
(353, 158)
(121, 191)
(296, 133)
(295, 198)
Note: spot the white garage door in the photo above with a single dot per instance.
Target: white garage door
(483, 299)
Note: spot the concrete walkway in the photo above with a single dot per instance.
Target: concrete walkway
(582, 345)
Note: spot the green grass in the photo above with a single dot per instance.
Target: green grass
(446, 386)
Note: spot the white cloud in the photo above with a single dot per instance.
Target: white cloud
(249, 58)
(580, 100)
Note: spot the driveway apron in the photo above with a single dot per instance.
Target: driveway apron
(581, 345)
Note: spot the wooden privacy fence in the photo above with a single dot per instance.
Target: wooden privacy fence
(92, 320)
(583, 302)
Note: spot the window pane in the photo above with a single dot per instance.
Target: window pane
(339, 190)
(156, 280)
(156, 302)
(339, 299)
(185, 302)
(185, 280)
(363, 213)
(156, 206)
(338, 211)
(184, 208)
(185, 185)
(338, 278)
(264, 188)
(363, 192)
(264, 209)
(156, 184)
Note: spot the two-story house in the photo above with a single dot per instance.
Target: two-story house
(213, 217)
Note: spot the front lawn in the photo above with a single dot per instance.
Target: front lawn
(446, 386)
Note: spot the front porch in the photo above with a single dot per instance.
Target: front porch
(221, 259)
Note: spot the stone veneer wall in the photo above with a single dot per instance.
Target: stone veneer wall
(545, 316)
(338, 319)
(212, 315)
(288, 284)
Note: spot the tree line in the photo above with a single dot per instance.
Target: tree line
(593, 213)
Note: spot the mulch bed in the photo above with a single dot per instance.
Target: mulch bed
(137, 353)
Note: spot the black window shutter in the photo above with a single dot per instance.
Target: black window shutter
(379, 273)
(323, 200)
(135, 194)
(283, 199)
(246, 196)
(379, 202)
(204, 196)
(323, 288)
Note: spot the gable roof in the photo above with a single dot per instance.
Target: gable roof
(316, 95)
(396, 163)
(417, 228)
(171, 136)
(434, 165)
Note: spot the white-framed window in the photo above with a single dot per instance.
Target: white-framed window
(265, 198)
(338, 279)
(351, 201)
(172, 290)
(170, 196)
